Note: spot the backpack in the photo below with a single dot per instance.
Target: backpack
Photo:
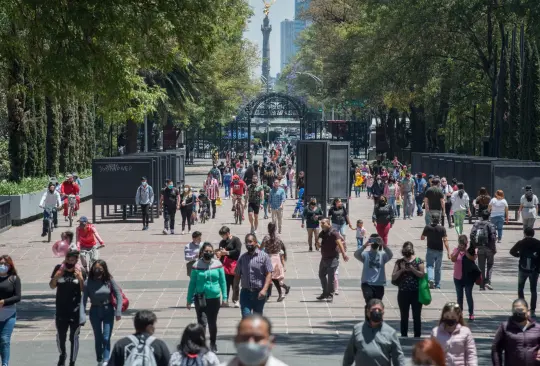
(482, 234)
(141, 353)
(528, 261)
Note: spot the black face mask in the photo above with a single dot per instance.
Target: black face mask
(375, 246)
(450, 322)
(519, 316)
(382, 203)
(407, 253)
(69, 265)
(250, 248)
(208, 256)
(98, 272)
(376, 316)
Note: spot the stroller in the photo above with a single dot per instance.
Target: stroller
(299, 209)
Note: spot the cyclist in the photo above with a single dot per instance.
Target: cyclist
(254, 197)
(50, 200)
(204, 202)
(76, 179)
(86, 240)
(70, 187)
(238, 189)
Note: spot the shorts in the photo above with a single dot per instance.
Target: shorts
(254, 207)
(340, 228)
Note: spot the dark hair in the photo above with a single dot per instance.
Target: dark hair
(463, 239)
(461, 188)
(435, 181)
(69, 235)
(428, 352)
(143, 319)
(435, 218)
(193, 341)
(204, 246)
(12, 270)
(169, 180)
(482, 191)
(383, 199)
(250, 235)
(485, 214)
(520, 301)
(256, 316)
(272, 230)
(224, 230)
(528, 231)
(196, 234)
(72, 253)
(371, 303)
(106, 275)
(454, 307)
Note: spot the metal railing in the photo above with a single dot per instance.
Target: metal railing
(5, 215)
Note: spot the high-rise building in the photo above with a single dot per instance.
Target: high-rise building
(288, 36)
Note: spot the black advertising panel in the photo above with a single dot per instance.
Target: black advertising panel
(512, 179)
(315, 171)
(338, 170)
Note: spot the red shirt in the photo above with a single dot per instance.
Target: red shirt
(86, 238)
(239, 188)
(68, 188)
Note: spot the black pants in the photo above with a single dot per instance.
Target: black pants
(186, 216)
(62, 327)
(145, 216)
(236, 290)
(213, 208)
(372, 292)
(278, 287)
(327, 273)
(447, 209)
(208, 315)
(168, 215)
(406, 300)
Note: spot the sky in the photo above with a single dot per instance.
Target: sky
(281, 10)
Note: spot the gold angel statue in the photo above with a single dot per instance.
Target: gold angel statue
(267, 5)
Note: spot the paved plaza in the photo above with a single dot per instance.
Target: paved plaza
(150, 267)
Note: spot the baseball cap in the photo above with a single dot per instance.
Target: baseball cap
(83, 219)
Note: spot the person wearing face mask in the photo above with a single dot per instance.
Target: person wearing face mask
(383, 218)
(254, 271)
(300, 182)
(68, 280)
(187, 201)
(208, 286)
(10, 295)
(67, 188)
(463, 280)
(50, 200)
(447, 192)
(254, 198)
(407, 192)
(373, 342)
(377, 189)
(211, 187)
(455, 337)
(99, 287)
(310, 217)
(420, 186)
(192, 250)
(86, 235)
(276, 200)
(144, 198)
(518, 338)
(192, 350)
(528, 208)
(254, 342)
(170, 201)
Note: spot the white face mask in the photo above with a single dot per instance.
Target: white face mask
(252, 354)
(186, 189)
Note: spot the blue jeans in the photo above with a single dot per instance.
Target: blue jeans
(466, 285)
(357, 191)
(369, 191)
(6, 329)
(392, 203)
(498, 221)
(433, 264)
(265, 207)
(227, 186)
(419, 201)
(250, 302)
(398, 210)
(102, 320)
(360, 242)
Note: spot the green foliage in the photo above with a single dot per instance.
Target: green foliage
(35, 184)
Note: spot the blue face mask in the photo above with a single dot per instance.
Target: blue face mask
(4, 268)
(171, 186)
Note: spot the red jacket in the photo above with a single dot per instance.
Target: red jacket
(85, 237)
(68, 188)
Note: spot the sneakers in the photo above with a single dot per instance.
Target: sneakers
(330, 298)
(172, 232)
(287, 289)
(165, 231)
(281, 298)
(144, 228)
(431, 284)
(225, 304)
(321, 297)
(62, 360)
(488, 286)
(189, 232)
(471, 318)
(213, 348)
(482, 288)
(533, 314)
(43, 234)
(310, 248)
(236, 304)
(336, 293)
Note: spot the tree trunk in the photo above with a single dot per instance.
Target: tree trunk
(17, 122)
(514, 96)
(502, 100)
(131, 137)
(534, 114)
(90, 136)
(41, 120)
(525, 121)
(31, 141)
(82, 126)
(418, 128)
(54, 123)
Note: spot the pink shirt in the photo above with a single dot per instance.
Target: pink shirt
(459, 347)
(458, 264)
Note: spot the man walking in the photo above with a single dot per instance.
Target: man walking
(331, 247)
(290, 179)
(420, 187)
(170, 201)
(255, 194)
(275, 201)
(144, 198)
(434, 200)
(436, 239)
(483, 237)
(211, 187)
(407, 192)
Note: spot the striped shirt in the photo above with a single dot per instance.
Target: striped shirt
(277, 197)
(253, 268)
(211, 188)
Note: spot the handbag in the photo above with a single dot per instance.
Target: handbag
(125, 300)
(470, 269)
(398, 281)
(201, 300)
(218, 201)
(424, 294)
(229, 266)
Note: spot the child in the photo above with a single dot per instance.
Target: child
(398, 206)
(361, 233)
(299, 209)
(191, 251)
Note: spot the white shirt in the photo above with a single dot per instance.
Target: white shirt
(529, 208)
(498, 207)
(459, 204)
(272, 361)
(50, 199)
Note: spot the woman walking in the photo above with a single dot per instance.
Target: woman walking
(310, 218)
(192, 350)
(392, 193)
(406, 273)
(498, 207)
(10, 295)
(455, 337)
(99, 287)
(339, 217)
(528, 208)
(481, 203)
(383, 218)
(358, 181)
(273, 245)
(208, 286)
(187, 201)
(460, 207)
(463, 280)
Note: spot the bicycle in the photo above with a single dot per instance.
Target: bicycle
(238, 212)
(48, 216)
(88, 257)
(72, 201)
(204, 214)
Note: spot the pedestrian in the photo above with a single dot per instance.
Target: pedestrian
(399, 203)
(227, 178)
(331, 247)
(498, 208)
(373, 272)
(311, 216)
(266, 197)
(483, 238)
(373, 342)
(99, 288)
(361, 233)
(10, 295)
(254, 198)
(518, 338)
(211, 187)
(145, 198)
(436, 240)
(528, 252)
(407, 271)
(455, 337)
(273, 246)
(463, 279)
(192, 251)
(208, 287)
(460, 207)
(254, 271)
(68, 280)
(420, 186)
(428, 352)
(276, 200)
(170, 201)
(340, 218)
(187, 202)
(481, 202)
(392, 193)
(377, 189)
(192, 350)
(369, 185)
(408, 195)
(228, 253)
(358, 181)
(434, 200)
(290, 179)
(248, 174)
(528, 208)
(383, 218)
(447, 192)
(141, 348)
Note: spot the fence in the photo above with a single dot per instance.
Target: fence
(5, 215)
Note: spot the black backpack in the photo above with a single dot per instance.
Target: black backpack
(482, 234)
(528, 261)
